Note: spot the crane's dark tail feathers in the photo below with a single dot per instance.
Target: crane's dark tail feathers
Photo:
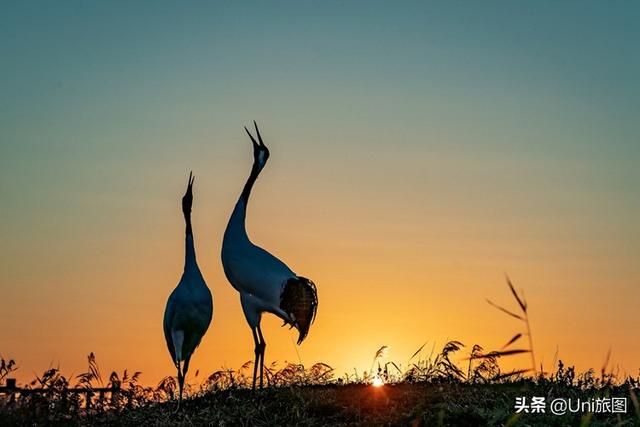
(299, 299)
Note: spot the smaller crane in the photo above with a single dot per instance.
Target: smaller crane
(190, 306)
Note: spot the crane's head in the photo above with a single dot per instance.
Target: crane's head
(260, 151)
(187, 199)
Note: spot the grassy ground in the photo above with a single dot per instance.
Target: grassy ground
(429, 389)
(451, 404)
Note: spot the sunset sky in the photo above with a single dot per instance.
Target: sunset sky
(419, 151)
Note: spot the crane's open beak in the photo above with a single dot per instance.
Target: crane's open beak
(187, 199)
(259, 143)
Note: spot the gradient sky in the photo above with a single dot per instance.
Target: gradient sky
(419, 152)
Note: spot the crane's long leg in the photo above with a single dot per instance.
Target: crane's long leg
(263, 346)
(257, 351)
(182, 373)
(180, 383)
(185, 368)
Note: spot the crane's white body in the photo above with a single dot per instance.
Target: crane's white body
(256, 274)
(189, 308)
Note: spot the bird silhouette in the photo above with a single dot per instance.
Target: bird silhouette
(264, 282)
(190, 306)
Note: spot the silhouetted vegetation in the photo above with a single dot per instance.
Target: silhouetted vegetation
(430, 388)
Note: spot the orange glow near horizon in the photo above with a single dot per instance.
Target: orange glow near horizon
(427, 280)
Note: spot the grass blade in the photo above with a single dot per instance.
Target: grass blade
(418, 351)
(504, 310)
(522, 304)
(501, 353)
(515, 338)
(511, 374)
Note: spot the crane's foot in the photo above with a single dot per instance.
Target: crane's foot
(179, 405)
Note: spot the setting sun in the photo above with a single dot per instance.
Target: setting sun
(377, 382)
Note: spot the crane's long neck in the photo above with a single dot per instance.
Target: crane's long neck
(189, 248)
(236, 228)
